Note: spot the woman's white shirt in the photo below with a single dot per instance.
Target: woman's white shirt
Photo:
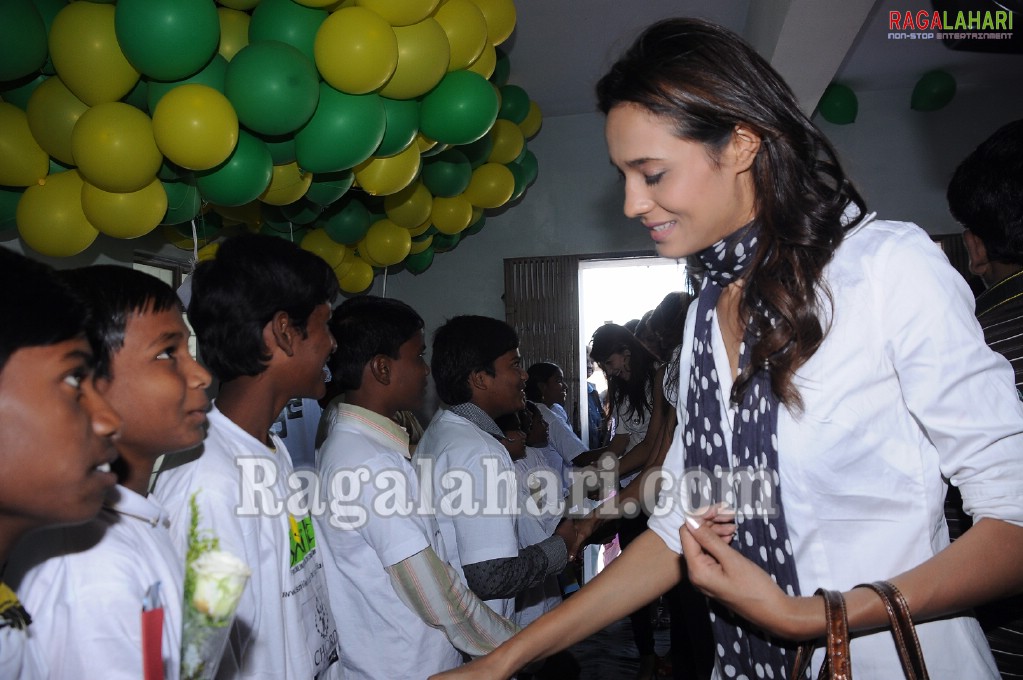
(902, 392)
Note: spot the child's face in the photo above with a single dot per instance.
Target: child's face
(157, 387)
(538, 433)
(56, 436)
(554, 390)
(409, 372)
(515, 442)
(312, 353)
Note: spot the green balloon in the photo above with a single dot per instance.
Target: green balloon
(287, 22)
(838, 104)
(170, 172)
(502, 68)
(347, 221)
(933, 91)
(207, 227)
(48, 10)
(211, 75)
(328, 187)
(401, 125)
(476, 227)
(282, 148)
(530, 165)
(139, 96)
(345, 130)
(167, 39)
(447, 174)
(302, 211)
(445, 242)
(460, 110)
(183, 202)
(514, 104)
(519, 174)
(242, 177)
(273, 87)
(288, 232)
(478, 152)
(19, 91)
(417, 263)
(23, 47)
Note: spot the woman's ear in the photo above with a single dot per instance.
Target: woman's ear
(744, 147)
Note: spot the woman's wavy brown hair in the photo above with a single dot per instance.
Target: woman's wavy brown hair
(705, 80)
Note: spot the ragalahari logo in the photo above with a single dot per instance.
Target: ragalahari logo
(962, 25)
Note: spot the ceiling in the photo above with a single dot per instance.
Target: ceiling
(560, 48)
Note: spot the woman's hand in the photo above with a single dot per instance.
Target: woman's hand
(723, 573)
(480, 669)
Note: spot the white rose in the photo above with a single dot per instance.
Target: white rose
(220, 578)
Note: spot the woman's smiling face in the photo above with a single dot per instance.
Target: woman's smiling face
(686, 198)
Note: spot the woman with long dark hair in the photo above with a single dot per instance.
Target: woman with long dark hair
(831, 359)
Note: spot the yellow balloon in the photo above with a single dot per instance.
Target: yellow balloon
(114, 148)
(318, 242)
(86, 56)
(451, 215)
(234, 31)
(388, 175)
(424, 143)
(238, 4)
(387, 243)
(423, 55)
(419, 246)
(175, 237)
(208, 251)
(530, 125)
(486, 62)
(355, 50)
(316, 3)
(491, 186)
(288, 184)
(466, 28)
(508, 141)
(346, 263)
(50, 218)
(500, 16)
(22, 161)
(195, 126)
(363, 254)
(125, 215)
(409, 207)
(358, 278)
(52, 112)
(403, 13)
(250, 214)
(422, 228)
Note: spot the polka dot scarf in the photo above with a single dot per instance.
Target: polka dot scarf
(743, 651)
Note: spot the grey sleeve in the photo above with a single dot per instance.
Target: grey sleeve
(508, 576)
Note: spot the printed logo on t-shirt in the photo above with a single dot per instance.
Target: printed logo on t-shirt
(303, 539)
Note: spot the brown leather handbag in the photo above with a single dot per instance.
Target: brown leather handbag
(837, 664)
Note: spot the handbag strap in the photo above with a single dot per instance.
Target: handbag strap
(837, 665)
(906, 641)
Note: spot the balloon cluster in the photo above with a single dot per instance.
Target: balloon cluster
(376, 131)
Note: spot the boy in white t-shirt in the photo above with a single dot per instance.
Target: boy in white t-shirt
(260, 311)
(478, 373)
(56, 431)
(402, 611)
(111, 564)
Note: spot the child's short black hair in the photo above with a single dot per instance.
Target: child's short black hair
(463, 345)
(365, 327)
(236, 294)
(38, 308)
(539, 374)
(113, 293)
